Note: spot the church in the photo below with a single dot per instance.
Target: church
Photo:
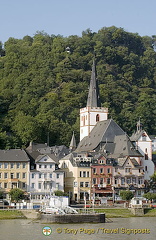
(106, 159)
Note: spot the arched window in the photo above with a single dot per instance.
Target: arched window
(97, 118)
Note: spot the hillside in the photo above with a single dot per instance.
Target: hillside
(44, 82)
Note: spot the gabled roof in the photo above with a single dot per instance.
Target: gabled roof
(51, 156)
(13, 155)
(135, 136)
(104, 132)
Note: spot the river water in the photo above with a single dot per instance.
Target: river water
(138, 228)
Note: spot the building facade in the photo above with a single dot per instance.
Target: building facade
(14, 170)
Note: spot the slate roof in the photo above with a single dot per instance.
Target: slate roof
(124, 147)
(14, 155)
(93, 95)
(73, 142)
(135, 136)
(104, 132)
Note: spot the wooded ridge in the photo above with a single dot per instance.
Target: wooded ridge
(44, 82)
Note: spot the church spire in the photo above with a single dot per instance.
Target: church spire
(72, 146)
(93, 95)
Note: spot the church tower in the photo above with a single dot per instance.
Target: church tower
(93, 112)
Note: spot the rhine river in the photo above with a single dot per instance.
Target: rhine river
(139, 228)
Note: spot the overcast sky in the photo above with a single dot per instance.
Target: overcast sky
(19, 18)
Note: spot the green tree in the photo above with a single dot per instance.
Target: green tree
(126, 195)
(150, 196)
(16, 194)
(60, 193)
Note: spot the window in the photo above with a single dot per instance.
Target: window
(5, 185)
(146, 154)
(101, 180)
(24, 175)
(127, 170)
(45, 166)
(108, 170)
(40, 175)
(84, 174)
(33, 175)
(80, 173)
(57, 186)
(75, 184)
(17, 175)
(23, 185)
(0, 175)
(140, 181)
(87, 173)
(146, 168)
(12, 165)
(33, 185)
(0, 165)
(116, 169)
(108, 181)
(86, 184)
(94, 180)
(11, 175)
(17, 165)
(58, 175)
(5, 175)
(51, 165)
(39, 185)
(128, 180)
(101, 170)
(5, 165)
(116, 181)
(134, 180)
(50, 175)
(97, 118)
(81, 184)
(94, 170)
(122, 181)
(40, 165)
(24, 165)
(45, 175)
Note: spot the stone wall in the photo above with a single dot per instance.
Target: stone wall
(73, 218)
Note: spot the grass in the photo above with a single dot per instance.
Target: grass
(116, 213)
(150, 212)
(121, 212)
(11, 214)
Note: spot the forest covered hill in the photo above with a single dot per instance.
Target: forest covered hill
(44, 82)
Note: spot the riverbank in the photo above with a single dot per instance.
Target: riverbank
(110, 213)
(11, 214)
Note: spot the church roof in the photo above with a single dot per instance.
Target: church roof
(109, 138)
(103, 132)
(93, 95)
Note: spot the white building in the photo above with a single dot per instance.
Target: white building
(144, 144)
(46, 178)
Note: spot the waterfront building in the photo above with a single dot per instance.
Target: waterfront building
(14, 170)
(46, 178)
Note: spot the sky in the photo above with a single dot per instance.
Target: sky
(19, 18)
